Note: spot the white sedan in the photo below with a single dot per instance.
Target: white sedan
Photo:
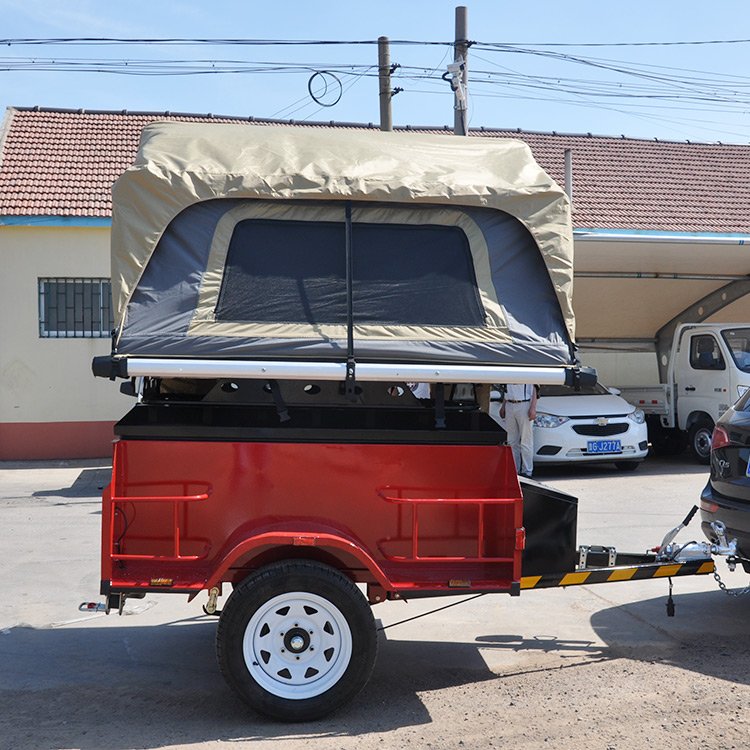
(590, 425)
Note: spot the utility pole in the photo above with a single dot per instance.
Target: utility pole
(460, 54)
(384, 78)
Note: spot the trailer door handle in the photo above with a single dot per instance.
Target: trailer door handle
(689, 387)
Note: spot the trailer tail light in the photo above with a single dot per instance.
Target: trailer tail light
(720, 438)
(161, 582)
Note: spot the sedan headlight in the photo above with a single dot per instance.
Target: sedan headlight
(637, 416)
(549, 420)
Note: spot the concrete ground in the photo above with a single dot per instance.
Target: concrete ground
(596, 667)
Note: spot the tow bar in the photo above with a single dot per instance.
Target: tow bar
(597, 564)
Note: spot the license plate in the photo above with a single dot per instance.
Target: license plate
(603, 446)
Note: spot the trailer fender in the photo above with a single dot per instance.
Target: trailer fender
(320, 540)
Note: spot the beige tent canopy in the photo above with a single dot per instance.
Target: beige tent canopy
(245, 241)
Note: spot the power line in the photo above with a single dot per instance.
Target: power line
(174, 41)
(338, 42)
(634, 87)
(635, 44)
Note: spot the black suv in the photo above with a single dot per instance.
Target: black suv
(726, 496)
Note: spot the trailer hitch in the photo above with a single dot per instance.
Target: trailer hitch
(668, 551)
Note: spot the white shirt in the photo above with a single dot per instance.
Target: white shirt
(519, 392)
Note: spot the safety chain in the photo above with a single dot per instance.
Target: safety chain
(730, 592)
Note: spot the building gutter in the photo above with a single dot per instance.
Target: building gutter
(649, 235)
(55, 221)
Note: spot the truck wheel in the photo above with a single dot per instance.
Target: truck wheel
(296, 640)
(699, 438)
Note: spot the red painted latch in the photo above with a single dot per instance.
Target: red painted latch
(521, 538)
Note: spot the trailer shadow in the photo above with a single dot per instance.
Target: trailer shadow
(96, 686)
(707, 635)
(89, 483)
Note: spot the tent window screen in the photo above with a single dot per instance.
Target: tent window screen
(295, 272)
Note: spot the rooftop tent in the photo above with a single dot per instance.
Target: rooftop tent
(243, 242)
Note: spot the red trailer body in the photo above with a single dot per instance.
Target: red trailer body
(293, 506)
(189, 515)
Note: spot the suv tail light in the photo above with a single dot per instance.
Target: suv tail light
(720, 438)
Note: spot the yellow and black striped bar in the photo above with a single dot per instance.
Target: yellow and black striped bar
(622, 573)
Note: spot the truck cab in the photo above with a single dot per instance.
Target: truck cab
(709, 371)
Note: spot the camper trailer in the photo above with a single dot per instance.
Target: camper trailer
(280, 294)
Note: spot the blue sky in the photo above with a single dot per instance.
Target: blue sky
(678, 92)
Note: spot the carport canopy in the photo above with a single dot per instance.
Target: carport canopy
(633, 288)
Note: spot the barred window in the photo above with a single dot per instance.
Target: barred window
(75, 308)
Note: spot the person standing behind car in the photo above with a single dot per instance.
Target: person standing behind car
(518, 409)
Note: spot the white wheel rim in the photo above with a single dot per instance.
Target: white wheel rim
(297, 645)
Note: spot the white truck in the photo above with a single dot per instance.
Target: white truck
(708, 369)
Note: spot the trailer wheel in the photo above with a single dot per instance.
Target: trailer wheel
(296, 640)
(699, 437)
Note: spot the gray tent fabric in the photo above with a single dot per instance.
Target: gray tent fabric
(250, 260)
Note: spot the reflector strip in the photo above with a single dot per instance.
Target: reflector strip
(574, 579)
(667, 570)
(621, 573)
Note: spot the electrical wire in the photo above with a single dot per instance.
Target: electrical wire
(179, 41)
(345, 89)
(637, 89)
(336, 42)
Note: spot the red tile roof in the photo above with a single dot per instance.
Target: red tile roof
(63, 163)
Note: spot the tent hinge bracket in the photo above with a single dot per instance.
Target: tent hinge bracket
(350, 385)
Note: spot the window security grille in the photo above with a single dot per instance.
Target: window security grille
(75, 308)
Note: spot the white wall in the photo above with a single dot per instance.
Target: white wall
(46, 379)
(623, 368)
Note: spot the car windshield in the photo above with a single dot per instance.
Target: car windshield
(738, 341)
(564, 390)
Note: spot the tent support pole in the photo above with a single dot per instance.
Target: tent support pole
(350, 387)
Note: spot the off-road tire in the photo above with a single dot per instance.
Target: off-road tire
(294, 598)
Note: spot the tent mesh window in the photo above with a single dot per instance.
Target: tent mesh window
(295, 272)
(75, 308)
